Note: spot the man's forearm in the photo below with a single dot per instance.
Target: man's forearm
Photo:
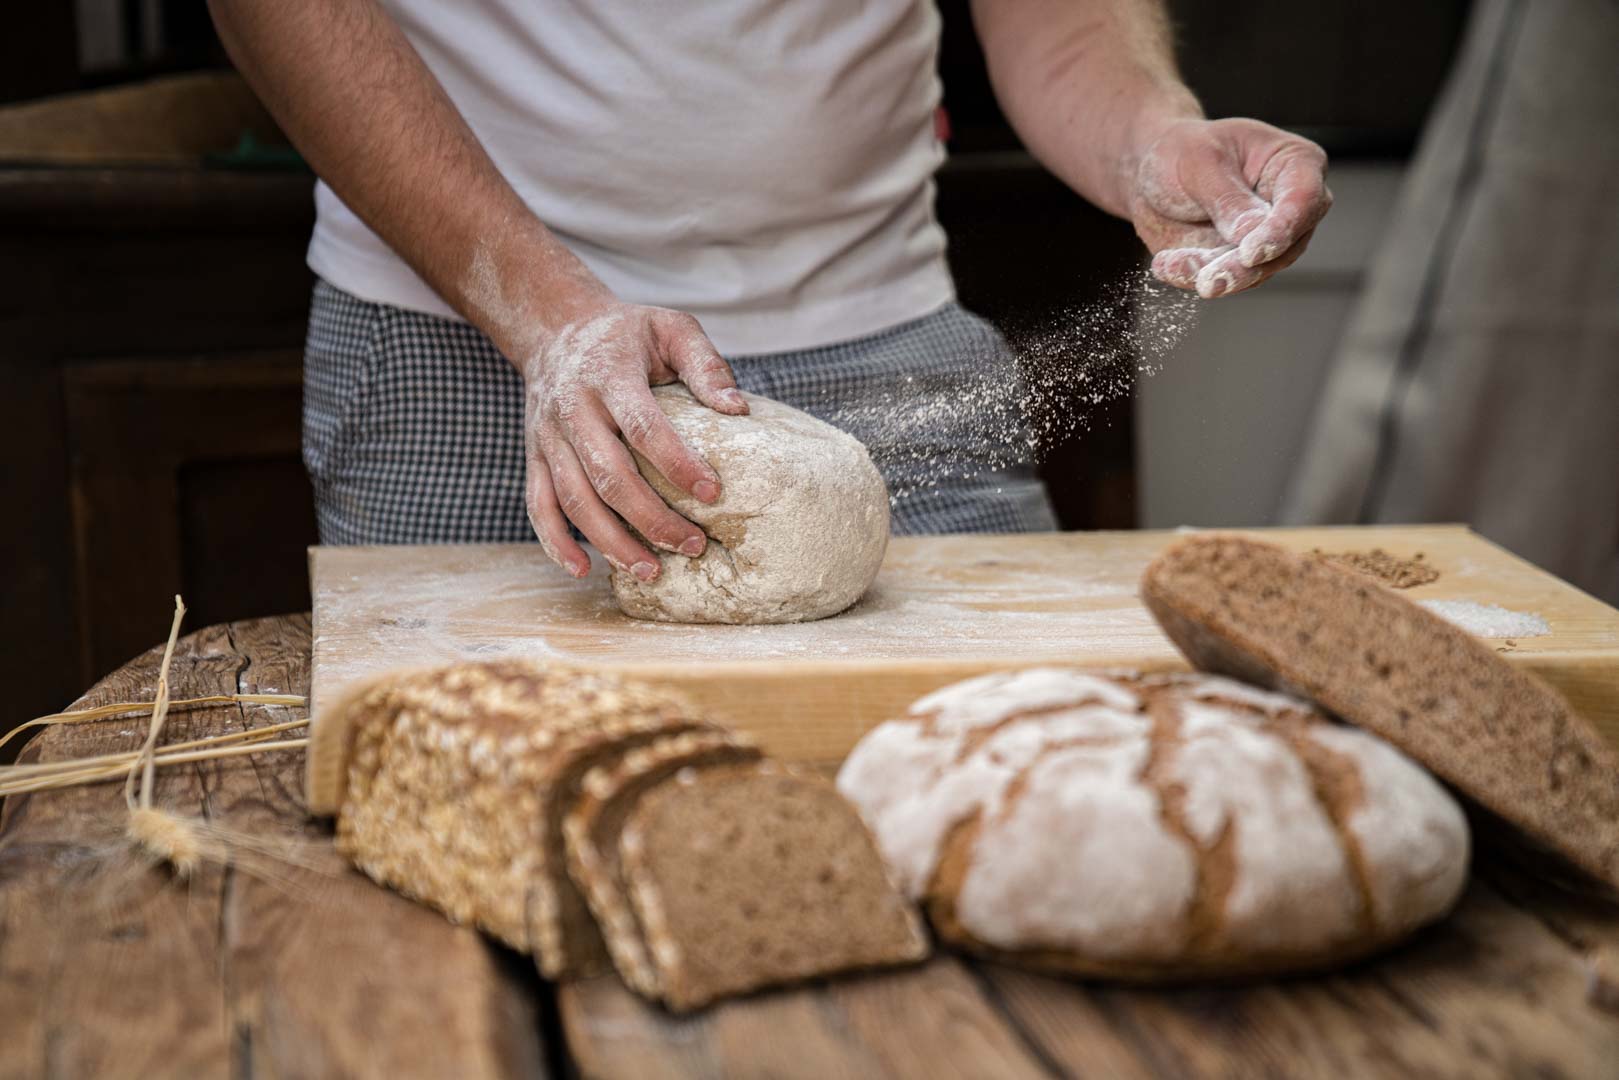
(1084, 82)
(362, 107)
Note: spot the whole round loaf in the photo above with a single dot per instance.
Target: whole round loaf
(799, 529)
(1154, 828)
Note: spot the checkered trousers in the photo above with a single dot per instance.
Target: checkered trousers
(413, 423)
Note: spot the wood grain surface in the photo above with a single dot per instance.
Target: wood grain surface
(943, 608)
(112, 968)
(1492, 992)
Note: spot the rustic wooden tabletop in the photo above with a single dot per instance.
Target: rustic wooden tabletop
(111, 967)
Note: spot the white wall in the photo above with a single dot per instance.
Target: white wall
(1219, 427)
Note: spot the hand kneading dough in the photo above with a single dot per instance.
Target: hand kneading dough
(799, 529)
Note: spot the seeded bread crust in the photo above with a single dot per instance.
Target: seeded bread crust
(1154, 829)
(1497, 734)
(738, 911)
(454, 780)
(608, 795)
(568, 943)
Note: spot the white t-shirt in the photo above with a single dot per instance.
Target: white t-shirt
(763, 164)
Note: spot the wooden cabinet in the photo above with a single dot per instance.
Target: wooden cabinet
(184, 474)
(151, 330)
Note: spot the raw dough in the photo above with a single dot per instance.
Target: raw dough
(799, 529)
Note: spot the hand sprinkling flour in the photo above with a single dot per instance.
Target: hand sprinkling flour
(1225, 204)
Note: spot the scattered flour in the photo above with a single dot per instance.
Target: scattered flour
(435, 604)
(971, 415)
(1489, 620)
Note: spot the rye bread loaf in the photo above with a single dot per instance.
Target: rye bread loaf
(746, 876)
(454, 781)
(1154, 828)
(592, 828)
(1498, 735)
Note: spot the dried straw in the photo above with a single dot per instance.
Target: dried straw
(160, 713)
(123, 708)
(74, 764)
(51, 775)
(184, 843)
(76, 773)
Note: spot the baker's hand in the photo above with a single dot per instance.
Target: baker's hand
(1224, 204)
(589, 385)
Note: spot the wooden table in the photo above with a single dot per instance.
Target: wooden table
(108, 967)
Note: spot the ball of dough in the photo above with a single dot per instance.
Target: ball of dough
(797, 533)
(1154, 828)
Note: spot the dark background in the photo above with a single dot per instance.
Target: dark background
(153, 297)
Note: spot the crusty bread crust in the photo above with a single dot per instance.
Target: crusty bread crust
(1163, 828)
(568, 942)
(331, 740)
(1501, 736)
(591, 830)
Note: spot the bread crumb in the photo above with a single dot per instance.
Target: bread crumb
(1391, 570)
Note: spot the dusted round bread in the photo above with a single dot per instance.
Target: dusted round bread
(797, 533)
(1154, 828)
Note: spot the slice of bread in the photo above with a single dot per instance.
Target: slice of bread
(592, 828)
(1504, 738)
(454, 784)
(567, 941)
(747, 876)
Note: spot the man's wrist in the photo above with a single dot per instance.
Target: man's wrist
(525, 288)
(1157, 113)
(558, 301)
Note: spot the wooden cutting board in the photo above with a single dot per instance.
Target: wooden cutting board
(943, 608)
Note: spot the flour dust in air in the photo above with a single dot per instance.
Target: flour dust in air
(972, 408)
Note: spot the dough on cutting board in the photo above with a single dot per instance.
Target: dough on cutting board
(1154, 828)
(798, 532)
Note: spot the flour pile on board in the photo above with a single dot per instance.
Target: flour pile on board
(979, 410)
(1489, 620)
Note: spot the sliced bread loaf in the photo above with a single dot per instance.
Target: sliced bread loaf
(746, 876)
(1499, 735)
(454, 782)
(592, 828)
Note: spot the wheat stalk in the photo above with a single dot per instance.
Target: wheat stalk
(184, 843)
(121, 708)
(160, 713)
(72, 764)
(99, 774)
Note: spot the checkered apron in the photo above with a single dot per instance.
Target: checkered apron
(413, 424)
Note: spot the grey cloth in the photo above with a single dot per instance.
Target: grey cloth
(1479, 380)
(413, 424)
